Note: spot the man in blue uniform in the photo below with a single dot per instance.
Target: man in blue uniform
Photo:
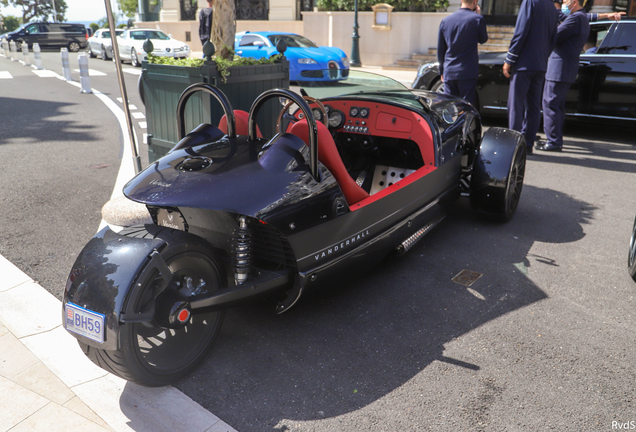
(526, 63)
(563, 66)
(457, 53)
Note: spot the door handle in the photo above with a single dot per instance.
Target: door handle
(239, 52)
(584, 63)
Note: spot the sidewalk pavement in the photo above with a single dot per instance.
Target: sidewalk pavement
(48, 383)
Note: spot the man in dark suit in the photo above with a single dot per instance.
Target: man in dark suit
(457, 53)
(205, 22)
(526, 63)
(563, 67)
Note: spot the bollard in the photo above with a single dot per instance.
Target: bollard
(5, 48)
(25, 53)
(66, 70)
(14, 49)
(37, 55)
(2, 50)
(85, 80)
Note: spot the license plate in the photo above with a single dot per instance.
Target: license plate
(84, 322)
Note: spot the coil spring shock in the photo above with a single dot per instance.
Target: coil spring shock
(242, 251)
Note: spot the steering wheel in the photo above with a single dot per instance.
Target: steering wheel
(291, 118)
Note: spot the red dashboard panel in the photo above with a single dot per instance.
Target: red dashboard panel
(387, 121)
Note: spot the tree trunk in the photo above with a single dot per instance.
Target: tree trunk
(224, 28)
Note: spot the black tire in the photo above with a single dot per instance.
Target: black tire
(74, 46)
(438, 87)
(104, 54)
(497, 177)
(631, 256)
(153, 355)
(134, 61)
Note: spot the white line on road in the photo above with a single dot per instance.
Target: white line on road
(138, 115)
(5, 75)
(132, 71)
(44, 73)
(92, 72)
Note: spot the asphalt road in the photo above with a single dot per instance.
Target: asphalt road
(542, 341)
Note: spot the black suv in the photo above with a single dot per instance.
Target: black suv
(50, 35)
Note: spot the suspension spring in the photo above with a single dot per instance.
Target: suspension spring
(242, 251)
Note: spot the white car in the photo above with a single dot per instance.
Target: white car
(101, 45)
(132, 40)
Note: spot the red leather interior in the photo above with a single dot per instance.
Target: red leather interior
(241, 124)
(329, 157)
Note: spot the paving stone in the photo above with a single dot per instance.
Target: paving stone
(39, 379)
(17, 404)
(11, 275)
(18, 303)
(14, 356)
(76, 405)
(56, 418)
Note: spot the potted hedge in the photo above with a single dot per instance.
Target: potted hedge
(163, 80)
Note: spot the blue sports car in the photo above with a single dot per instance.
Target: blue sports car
(307, 61)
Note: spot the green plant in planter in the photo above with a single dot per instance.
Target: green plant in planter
(222, 65)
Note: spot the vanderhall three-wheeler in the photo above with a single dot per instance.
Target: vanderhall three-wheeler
(359, 167)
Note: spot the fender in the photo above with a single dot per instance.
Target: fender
(492, 166)
(103, 277)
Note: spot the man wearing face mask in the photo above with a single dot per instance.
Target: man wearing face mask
(526, 63)
(457, 54)
(563, 67)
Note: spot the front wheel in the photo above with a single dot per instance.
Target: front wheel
(134, 61)
(104, 53)
(438, 87)
(152, 354)
(631, 257)
(498, 171)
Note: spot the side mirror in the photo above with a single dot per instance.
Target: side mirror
(258, 44)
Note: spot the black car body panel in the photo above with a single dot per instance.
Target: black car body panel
(605, 87)
(289, 213)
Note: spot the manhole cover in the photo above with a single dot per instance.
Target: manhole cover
(466, 277)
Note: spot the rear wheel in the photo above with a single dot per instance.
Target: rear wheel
(152, 354)
(74, 46)
(631, 257)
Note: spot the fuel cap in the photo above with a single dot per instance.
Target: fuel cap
(194, 163)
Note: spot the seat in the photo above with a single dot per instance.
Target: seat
(241, 124)
(329, 157)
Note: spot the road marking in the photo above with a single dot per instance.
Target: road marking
(143, 125)
(5, 75)
(92, 72)
(138, 115)
(44, 73)
(132, 71)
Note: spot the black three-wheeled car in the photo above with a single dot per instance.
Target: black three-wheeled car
(362, 167)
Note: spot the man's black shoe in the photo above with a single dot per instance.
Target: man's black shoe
(529, 150)
(548, 147)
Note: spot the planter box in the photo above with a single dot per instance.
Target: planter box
(162, 85)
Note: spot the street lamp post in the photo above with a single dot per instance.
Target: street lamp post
(355, 47)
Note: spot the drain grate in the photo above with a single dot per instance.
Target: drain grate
(466, 277)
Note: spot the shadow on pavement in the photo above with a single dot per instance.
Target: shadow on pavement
(55, 125)
(349, 345)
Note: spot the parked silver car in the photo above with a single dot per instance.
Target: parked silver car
(101, 45)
